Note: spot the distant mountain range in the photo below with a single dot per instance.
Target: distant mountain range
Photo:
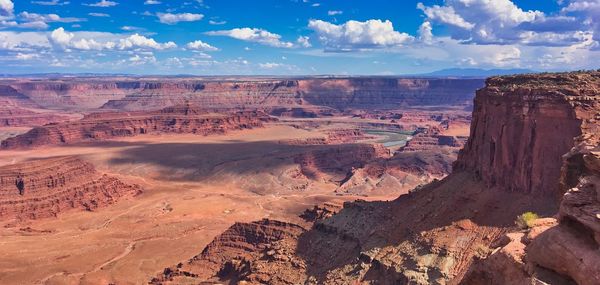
(475, 72)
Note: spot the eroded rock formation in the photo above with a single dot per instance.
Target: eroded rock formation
(513, 162)
(294, 96)
(101, 126)
(45, 188)
(18, 117)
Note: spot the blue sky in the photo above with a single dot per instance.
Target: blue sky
(292, 37)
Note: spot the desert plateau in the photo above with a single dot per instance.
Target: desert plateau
(299, 142)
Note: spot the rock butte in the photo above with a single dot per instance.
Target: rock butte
(48, 187)
(534, 146)
(178, 119)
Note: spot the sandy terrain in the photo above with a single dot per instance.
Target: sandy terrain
(195, 188)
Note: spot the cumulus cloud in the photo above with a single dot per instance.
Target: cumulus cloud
(355, 35)
(152, 2)
(503, 22)
(137, 41)
(446, 15)
(334, 12)
(102, 3)
(67, 40)
(201, 46)
(6, 7)
(304, 41)
(425, 32)
(171, 19)
(23, 41)
(254, 35)
(589, 9)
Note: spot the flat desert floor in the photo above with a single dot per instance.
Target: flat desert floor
(195, 187)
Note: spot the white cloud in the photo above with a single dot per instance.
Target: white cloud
(33, 17)
(277, 65)
(102, 3)
(582, 5)
(171, 19)
(445, 15)
(38, 25)
(152, 2)
(334, 12)
(143, 59)
(6, 7)
(425, 32)
(254, 35)
(26, 56)
(67, 40)
(99, 14)
(355, 35)
(23, 41)
(201, 46)
(304, 41)
(137, 41)
(51, 3)
(213, 22)
(61, 37)
(270, 65)
(503, 22)
(591, 10)
(130, 28)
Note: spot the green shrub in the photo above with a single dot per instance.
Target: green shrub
(526, 220)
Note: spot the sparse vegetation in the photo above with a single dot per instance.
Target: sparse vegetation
(525, 220)
(482, 251)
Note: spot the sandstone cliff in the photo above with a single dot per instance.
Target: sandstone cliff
(562, 251)
(325, 94)
(102, 126)
(45, 188)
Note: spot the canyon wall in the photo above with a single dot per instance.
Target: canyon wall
(521, 127)
(562, 250)
(103, 126)
(145, 94)
(45, 188)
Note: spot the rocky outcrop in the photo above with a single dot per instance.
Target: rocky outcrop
(10, 97)
(572, 248)
(18, 117)
(565, 252)
(256, 252)
(103, 126)
(423, 142)
(335, 161)
(45, 188)
(521, 125)
(75, 93)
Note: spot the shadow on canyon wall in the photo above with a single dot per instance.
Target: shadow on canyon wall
(198, 161)
(433, 217)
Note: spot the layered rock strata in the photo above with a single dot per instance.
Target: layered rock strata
(342, 93)
(18, 117)
(103, 126)
(45, 188)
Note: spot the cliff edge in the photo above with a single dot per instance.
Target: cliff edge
(533, 139)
